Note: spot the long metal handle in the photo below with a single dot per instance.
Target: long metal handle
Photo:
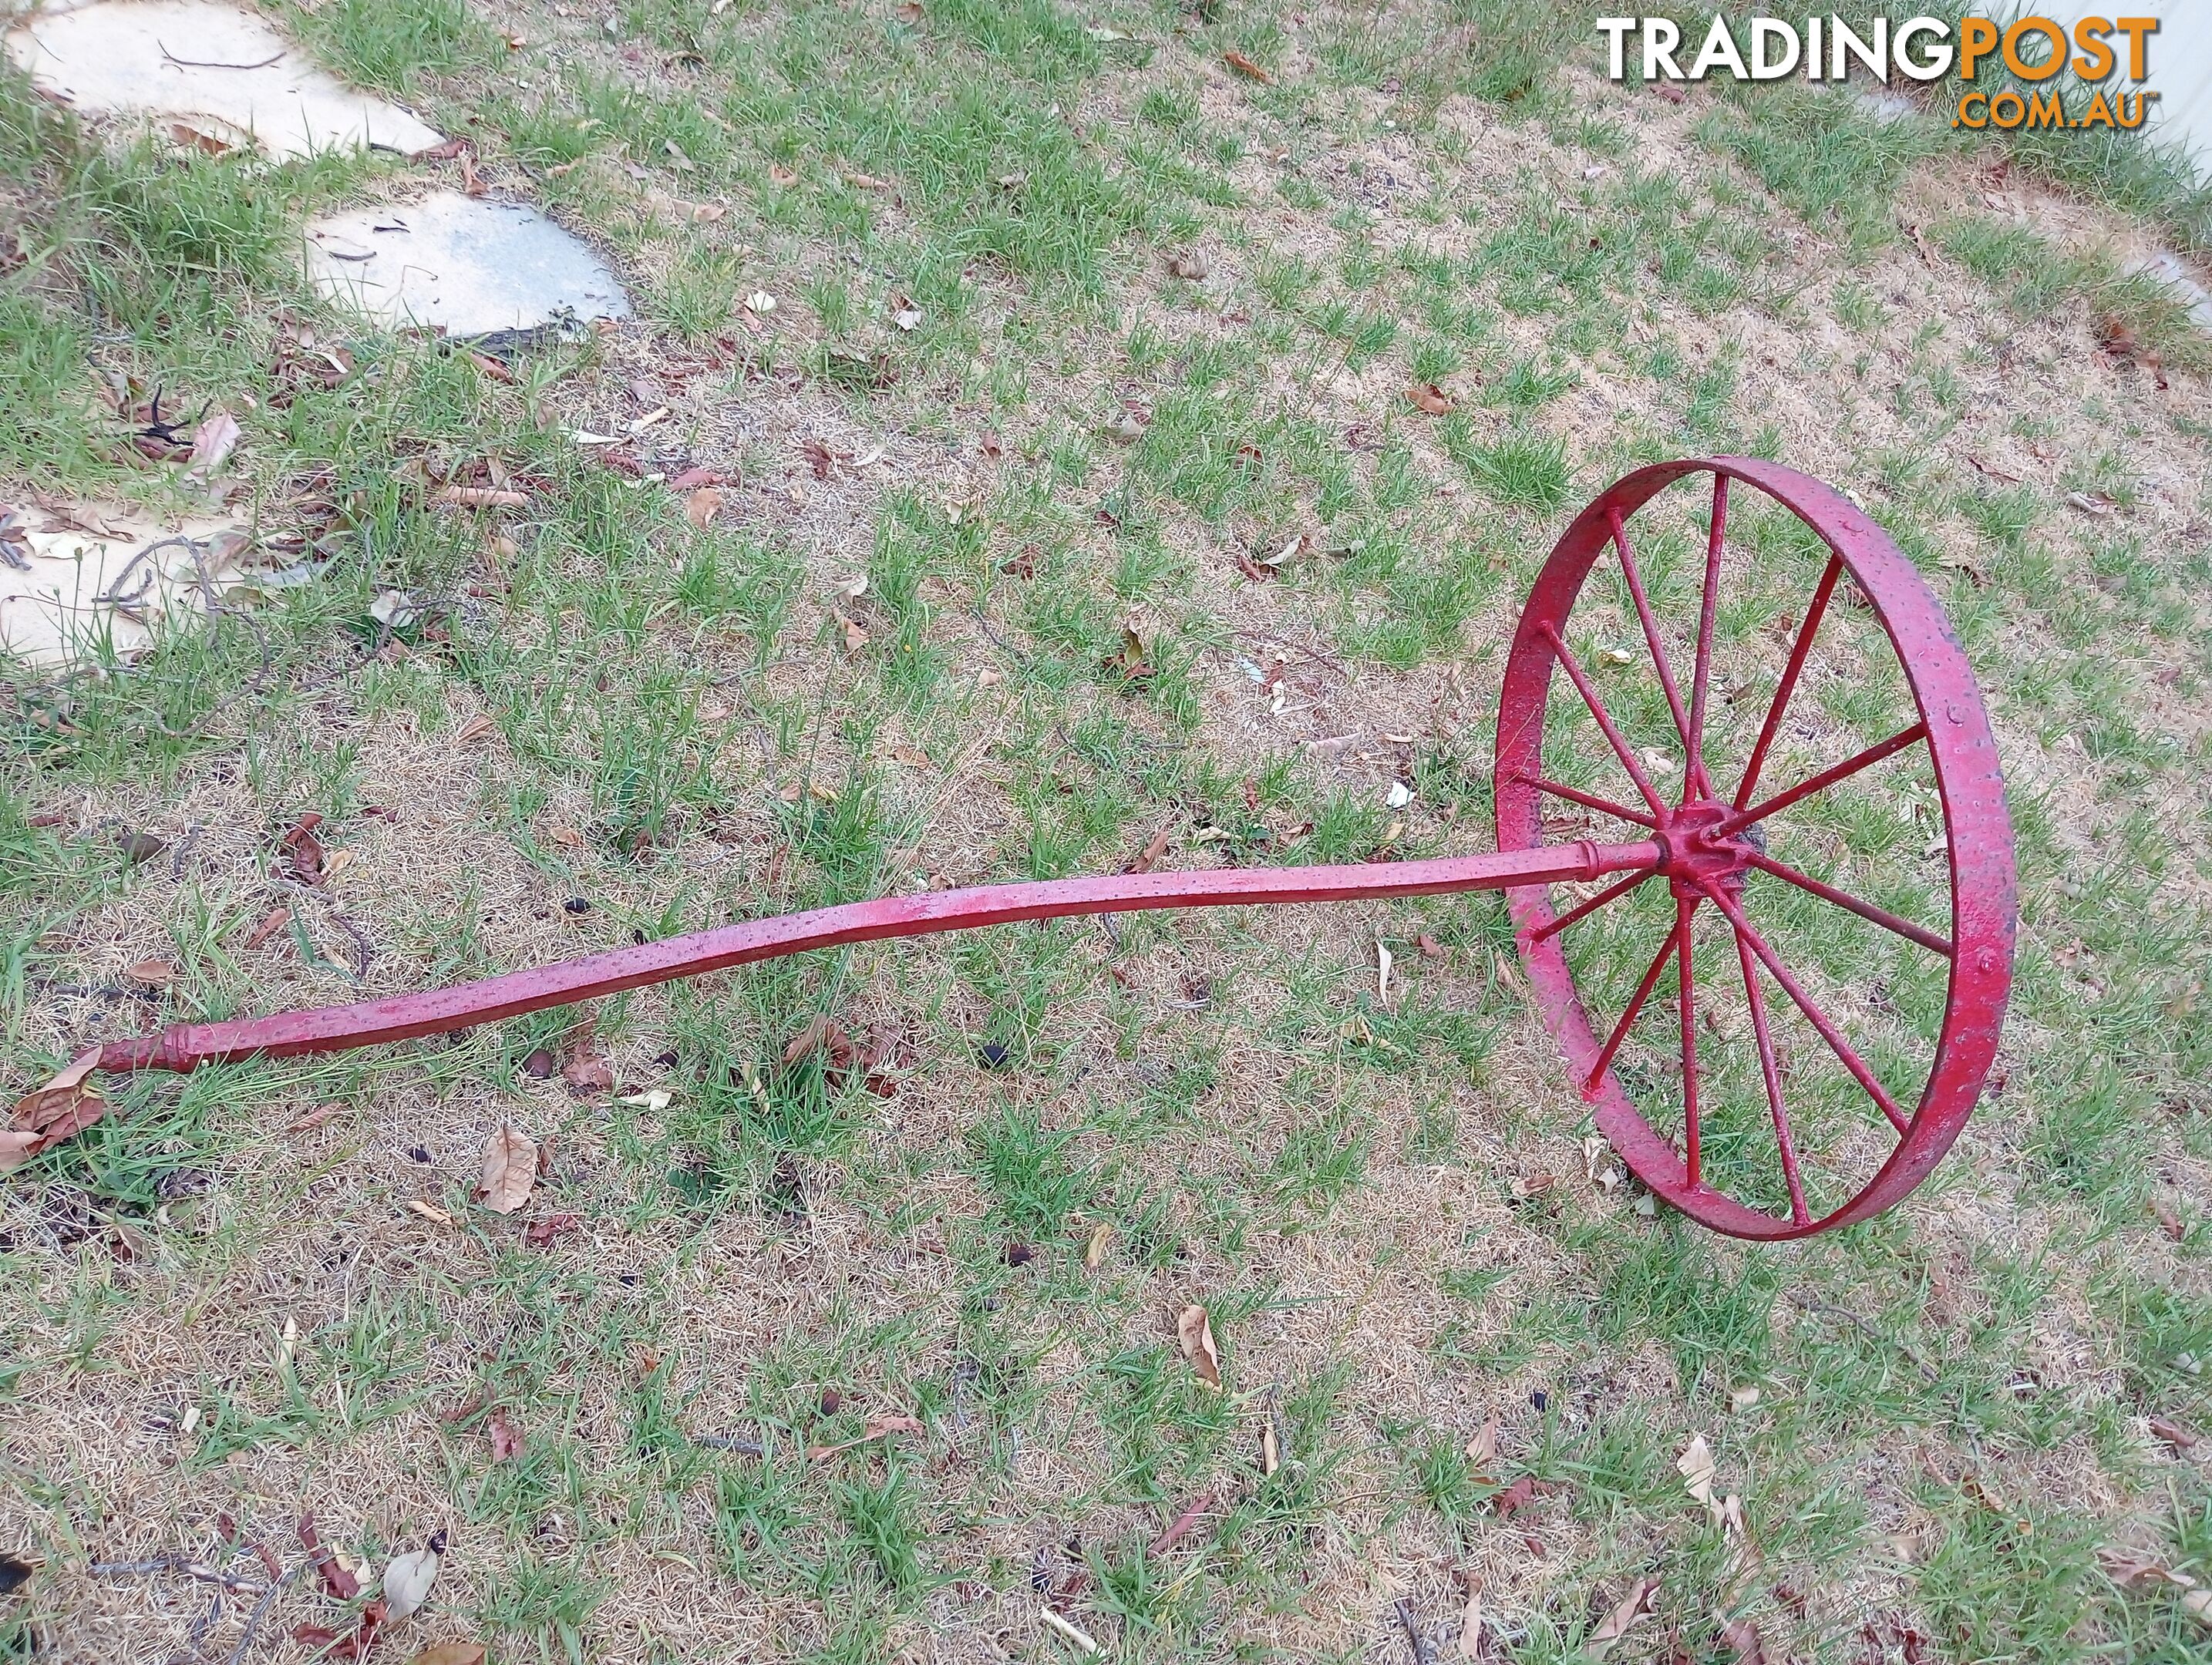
(403, 1016)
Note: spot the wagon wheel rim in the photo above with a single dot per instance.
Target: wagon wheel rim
(1712, 824)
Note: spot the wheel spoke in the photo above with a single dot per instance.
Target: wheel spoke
(1589, 801)
(1688, 986)
(1628, 1018)
(1584, 686)
(1783, 689)
(1772, 1072)
(1866, 910)
(1650, 628)
(1620, 888)
(1820, 782)
(1693, 776)
(1818, 1018)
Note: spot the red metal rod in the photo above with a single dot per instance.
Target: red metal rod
(1866, 910)
(1772, 1072)
(1635, 1005)
(1694, 773)
(1790, 672)
(1820, 782)
(1818, 1018)
(403, 1016)
(1591, 801)
(1583, 910)
(1650, 625)
(1584, 687)
(1683, 904)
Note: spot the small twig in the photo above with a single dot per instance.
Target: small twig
(1811, 1304)
(201, 63)
(1075, 1633)
(253, 1618)
(1179, 1528)
(1412, 1632)
(1003, 646)
(199, 1570)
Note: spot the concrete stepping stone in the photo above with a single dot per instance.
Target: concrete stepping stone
(222, 70)
(470, 265)
(64, 591)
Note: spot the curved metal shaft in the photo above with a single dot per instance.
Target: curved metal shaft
(403, 1016)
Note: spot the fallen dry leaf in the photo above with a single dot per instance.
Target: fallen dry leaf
(702, 505)
(1094, 1252)
(1745, 1645)
(2173, 1433)
(1129, 660)
(430, 1211)
(1470, 1626)
(589, 1071)
(60, 1110)
(1614, 1625)
(1428, 397)
(336, 1577)
(904, 313)
(2197, 1604)
(540, 1234)
(450, 1653)
(855, 637)
(194, 136)
(484, 497)
(692, 478)
(1155, 848)
(1482, 1451)
(506, 1439)
(510, 1171)
(213, 442)
(878, 1428)
(1698, 1469)
(1519, 1495)
(2132, 1569)
(153, 973)
(313, 1118)
(1245, 67)
(1194, 1334)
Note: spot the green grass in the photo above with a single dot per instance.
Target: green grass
(1033, 1147)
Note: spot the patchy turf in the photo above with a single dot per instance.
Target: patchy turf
(1076, 328)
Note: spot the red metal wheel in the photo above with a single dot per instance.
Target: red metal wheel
(1760, 1117)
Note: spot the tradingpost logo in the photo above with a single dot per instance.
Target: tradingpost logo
(2035, 50)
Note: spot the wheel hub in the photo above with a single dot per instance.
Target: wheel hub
(1697, 856)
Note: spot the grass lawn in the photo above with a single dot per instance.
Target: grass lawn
(1053, 365)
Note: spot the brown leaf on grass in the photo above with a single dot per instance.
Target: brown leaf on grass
(1614, 1625)
(336, 1578)
(856, 638)
(904, 313)
(701, 508)
(151, 973)
(301, 851)
(471, 185)
(194, 136)
(510, 1171)
(2132, 1569)
(1129, 659)
(692, 478)
(540, 1234)
(1667, 90)
(450, 1653)
(1519, 1495)
(1470, 1626)
(1194, 1334)
(271, 922)
(823, 459)
(505, 1438)
(1745, 1644)
(483, 497)
(878, 1428)
(2173, 1433)
(1144, 860)
(1482, 1451)
(2197, 1604)
(1245, 67)
(1094, 1252)
(2168, 1221)
(1428, 397)
(213, 441)
(443, 153)
(589, 1071)
(60, 1110)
